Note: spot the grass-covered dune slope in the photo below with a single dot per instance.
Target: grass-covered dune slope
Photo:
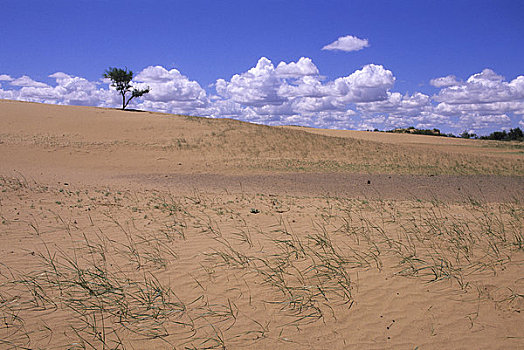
(82, 136)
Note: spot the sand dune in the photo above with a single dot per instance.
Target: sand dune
(146, 230)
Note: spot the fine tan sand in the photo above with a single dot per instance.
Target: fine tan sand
(139, 230)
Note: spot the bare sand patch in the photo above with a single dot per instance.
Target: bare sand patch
(360, 186)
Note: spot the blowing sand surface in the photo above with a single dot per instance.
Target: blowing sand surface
(144, 230)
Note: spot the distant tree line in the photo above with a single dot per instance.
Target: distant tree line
(413, 130)
(511, 135)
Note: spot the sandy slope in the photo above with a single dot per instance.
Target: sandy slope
(144, 230)
(422, 141)
(53, 141)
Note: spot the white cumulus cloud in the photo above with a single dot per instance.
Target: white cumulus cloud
(68, 90)
(484, 101)
(396, 103)
(257, 87)
(480, 122)
(170, 86)
(27, 82)
(484, 87)
(449, 80)
(368, 84)
(295, 93)
(347, 43)
(170, 92)
(304, 67)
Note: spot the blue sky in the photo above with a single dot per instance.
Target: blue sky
(478, 45)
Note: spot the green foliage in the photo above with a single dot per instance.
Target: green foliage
(413, 130)
(121, 81)
(512, 135)
(467, 135)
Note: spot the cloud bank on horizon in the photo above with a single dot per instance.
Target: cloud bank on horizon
(296, 93)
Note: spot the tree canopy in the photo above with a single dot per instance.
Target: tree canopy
(512, 135)
(121, 81)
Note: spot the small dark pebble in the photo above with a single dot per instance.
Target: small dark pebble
(369, 181)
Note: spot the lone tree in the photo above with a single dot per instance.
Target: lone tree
(121, 81)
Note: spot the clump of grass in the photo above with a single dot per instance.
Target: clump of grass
(434, 243)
